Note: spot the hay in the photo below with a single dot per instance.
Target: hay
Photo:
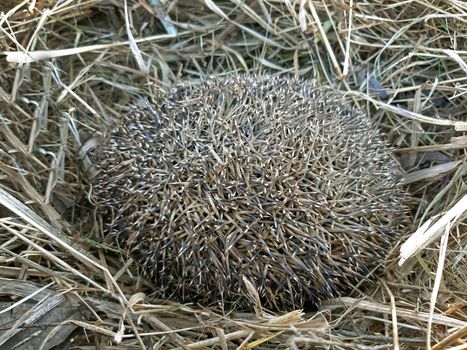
(405, 62)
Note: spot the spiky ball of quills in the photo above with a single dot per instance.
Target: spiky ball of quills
(266, 178)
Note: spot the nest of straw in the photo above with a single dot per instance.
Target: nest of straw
(85, 61)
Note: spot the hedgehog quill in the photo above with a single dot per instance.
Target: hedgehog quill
(270, 179)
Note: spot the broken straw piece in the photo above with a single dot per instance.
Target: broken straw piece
(429, 233)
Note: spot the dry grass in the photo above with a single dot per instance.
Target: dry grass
(405, 62)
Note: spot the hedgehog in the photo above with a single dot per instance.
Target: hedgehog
(270, 180)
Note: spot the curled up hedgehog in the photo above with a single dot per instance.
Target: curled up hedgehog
(272, 180)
